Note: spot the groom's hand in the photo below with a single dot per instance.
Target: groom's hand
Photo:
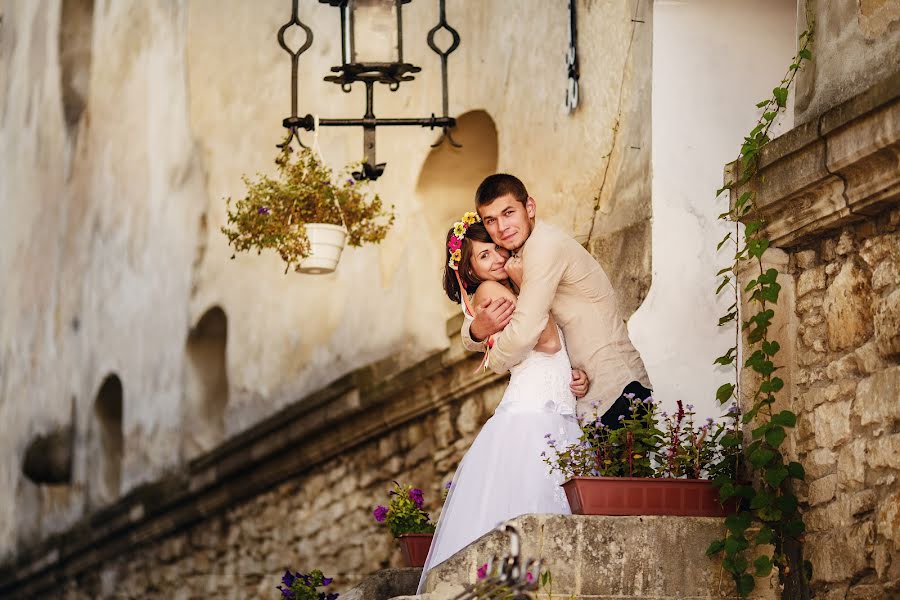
(580, 383)
(515, 270)
(493, 315)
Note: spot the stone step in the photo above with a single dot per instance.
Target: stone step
(385, 584)
(606, 558)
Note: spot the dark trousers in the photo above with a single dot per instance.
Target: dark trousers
(622, 405)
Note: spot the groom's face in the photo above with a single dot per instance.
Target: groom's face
(508, 221)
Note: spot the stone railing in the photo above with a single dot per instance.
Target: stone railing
(594, 558)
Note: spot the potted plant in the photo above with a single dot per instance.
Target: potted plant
(642, 469)
(408, 523)
(304, 586)
(306, 215)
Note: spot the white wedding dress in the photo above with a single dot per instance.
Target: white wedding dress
(503, 474)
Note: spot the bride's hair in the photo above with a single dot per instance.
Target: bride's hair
(478, 233)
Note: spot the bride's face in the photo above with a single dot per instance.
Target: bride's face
(488, 260)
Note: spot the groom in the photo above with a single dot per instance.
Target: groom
(555, 274)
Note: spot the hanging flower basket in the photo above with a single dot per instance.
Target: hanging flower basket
(415, 547)
(306, 215)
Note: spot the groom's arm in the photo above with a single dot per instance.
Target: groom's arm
(466, 335)
(543, 270)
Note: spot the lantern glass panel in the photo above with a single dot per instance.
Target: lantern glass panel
(374, 35)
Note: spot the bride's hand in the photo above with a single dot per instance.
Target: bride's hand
(580, 383)
(515, 270)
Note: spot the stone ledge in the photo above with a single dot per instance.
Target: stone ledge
(627, 558)
(827, 173)
(356, 408)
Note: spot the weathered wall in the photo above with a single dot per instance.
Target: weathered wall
(702, 107)
(217, 528)
(857, 44)
(828, 193)
(123, 125)
(847, 394)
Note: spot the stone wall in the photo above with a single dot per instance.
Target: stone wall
(847, 394)
(297, 491)
(829, 194)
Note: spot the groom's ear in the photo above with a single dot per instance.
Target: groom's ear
(530, 207)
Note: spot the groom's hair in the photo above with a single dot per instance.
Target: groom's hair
(500, 184)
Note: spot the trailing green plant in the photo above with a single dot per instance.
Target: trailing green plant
(769, 512)
(274, 212)
(404, 513)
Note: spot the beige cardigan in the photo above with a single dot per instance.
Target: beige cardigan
(562, 278)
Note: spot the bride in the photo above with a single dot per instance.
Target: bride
(503, 473)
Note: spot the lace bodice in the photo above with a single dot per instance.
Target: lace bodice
(540, 383)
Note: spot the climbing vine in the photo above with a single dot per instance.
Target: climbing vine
(768, 513)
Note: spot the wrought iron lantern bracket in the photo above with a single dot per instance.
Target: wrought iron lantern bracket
(369, 73)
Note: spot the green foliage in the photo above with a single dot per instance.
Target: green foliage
(650, 445)
(769, 505)
(404, 513)
(274, 213)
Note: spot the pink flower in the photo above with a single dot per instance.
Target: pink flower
(529, 577)
(482, 571)
(454, 244)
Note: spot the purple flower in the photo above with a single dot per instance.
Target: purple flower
(327, 581)
(263, 210)
(482, 571)
(449, 483)
(417, 496)
(287, 579)
(543, 454)
(286, 593)
(547, 436)
(733, 409)
(664, 415)
(629, 395)
(351, 182)
(621, 417)
(690, 407)
(709, 421)
(331, 597)
(380, 513)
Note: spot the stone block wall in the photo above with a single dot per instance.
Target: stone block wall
(219, 530)
(846, 391)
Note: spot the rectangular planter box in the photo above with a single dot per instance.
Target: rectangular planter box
(636, 496)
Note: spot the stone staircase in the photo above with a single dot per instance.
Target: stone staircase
(601, 558)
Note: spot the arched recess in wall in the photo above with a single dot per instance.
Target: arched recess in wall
(206, 383)
(105, 460)
(449, 176)
(75, 38)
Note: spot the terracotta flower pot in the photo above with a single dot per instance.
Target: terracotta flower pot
(636, 496)
(415, 548)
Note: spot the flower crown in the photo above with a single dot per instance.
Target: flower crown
(459, 232)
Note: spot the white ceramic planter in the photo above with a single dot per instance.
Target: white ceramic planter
(326, 242)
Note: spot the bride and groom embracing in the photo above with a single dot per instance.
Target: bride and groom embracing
(538, 304)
